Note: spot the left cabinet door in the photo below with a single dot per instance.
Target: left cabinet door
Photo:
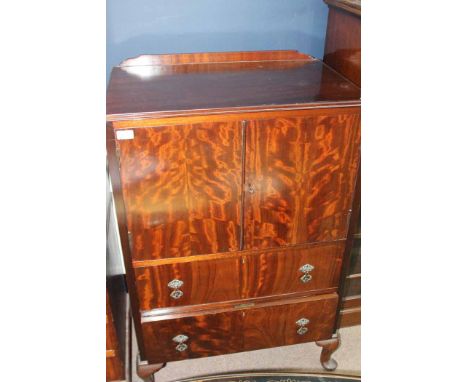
(181, 186)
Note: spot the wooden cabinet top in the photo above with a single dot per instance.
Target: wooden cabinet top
(151, 86)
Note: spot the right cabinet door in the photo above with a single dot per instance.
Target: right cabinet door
(300, 176)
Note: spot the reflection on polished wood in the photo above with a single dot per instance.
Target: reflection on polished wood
(182, 187)
(240, 275)
(343, 42)
(166, 90)
(233, 176)
(240, 330)
(301, 172)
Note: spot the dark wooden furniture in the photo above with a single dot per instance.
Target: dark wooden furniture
(118, 319)
(115, 348)
(343, 53)
(233, 176)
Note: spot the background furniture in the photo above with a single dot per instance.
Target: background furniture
(343, 53)
(233, 176)
(118, 319)
(115, 364)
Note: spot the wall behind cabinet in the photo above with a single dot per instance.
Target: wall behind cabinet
(177, 26)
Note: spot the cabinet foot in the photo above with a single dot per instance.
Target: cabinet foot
(146, 371)
(328, 348)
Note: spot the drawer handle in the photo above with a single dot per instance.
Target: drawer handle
(180, 340)
(176, 284)
(302, 322)
(306, 269)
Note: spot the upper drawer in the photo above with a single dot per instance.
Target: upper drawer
(189, 283)
(240, 275)
(308, 268)
(292, 322)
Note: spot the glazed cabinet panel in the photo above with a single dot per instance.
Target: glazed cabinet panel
(182, 189)
(300, 177)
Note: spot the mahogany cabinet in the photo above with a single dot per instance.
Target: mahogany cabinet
(343, 53)
(234, 177)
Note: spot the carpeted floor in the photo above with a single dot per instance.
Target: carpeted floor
(304, 357)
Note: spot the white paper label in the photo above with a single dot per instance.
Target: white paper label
(124, 134)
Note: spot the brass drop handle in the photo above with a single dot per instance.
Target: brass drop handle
(306, 269)
(180, 340)
(176, 284)
(251, 188)
(302, 322)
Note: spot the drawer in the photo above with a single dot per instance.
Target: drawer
(303, 269)
(189, 283)
(279, 323)
(204, 335)
(240, 275)
(290, 324)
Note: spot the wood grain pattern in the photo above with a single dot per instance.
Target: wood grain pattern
(209, 335)
(181, 186)
(343, 42)
(114, 364)
(204, 282)
(277, 272)
(178, 190)
(301, 174)
(169, 89)
(114, 172)
(248, 329)
(231, 306)
(114, 369)
(242, 275)
(215, 57)
(276, 326)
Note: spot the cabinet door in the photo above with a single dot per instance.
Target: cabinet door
(182, 189)
(300, 177)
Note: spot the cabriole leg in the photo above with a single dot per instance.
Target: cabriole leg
(328, 348)
(146, 371)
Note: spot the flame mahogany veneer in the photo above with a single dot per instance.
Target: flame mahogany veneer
(233, 177)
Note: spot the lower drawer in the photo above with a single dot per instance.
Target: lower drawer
(275, 324)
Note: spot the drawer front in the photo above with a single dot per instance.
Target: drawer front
(241, 275)
(189, 283)
(295, 321)
(294, 270)
(289, 324)
(205, 335)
